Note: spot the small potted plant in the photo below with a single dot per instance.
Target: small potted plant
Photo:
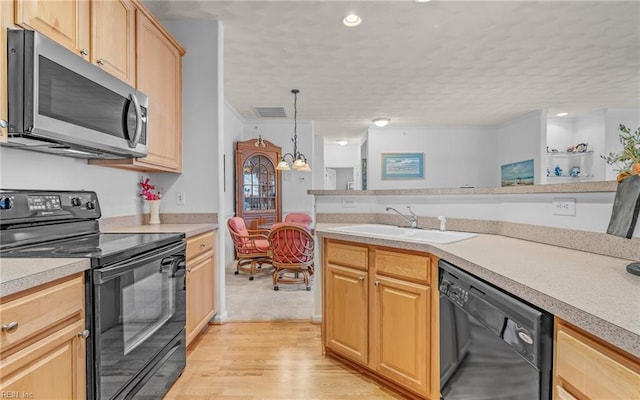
(153, 199)
(627, 161)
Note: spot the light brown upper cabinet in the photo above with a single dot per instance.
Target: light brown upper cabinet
(113, 38)
(65, 21)
(158, 75)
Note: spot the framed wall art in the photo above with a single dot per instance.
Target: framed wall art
(402, 165)
(517, 173)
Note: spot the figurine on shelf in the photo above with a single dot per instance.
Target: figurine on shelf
(557, 170)
(574, 172)
(581, 147)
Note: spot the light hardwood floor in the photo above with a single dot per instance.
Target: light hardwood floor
(268, 360)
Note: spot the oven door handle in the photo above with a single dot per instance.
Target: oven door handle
(105, 274)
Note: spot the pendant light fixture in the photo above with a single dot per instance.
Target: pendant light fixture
(298, 160)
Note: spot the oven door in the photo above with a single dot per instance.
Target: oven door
(138, 312)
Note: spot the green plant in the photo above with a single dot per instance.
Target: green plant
(627, 161)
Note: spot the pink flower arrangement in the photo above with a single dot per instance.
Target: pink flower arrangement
(146, 191)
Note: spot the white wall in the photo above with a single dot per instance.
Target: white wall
(233, 128)
(336, 156)
(522, 139)
(593, 210)
(200, 118)
(453, 157)
(294, 183)
(117, 189)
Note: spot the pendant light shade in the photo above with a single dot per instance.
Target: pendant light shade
(298, 160)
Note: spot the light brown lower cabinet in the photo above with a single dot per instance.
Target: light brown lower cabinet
(377, 314)
(201, 279)
(587, 368)
(43, 342)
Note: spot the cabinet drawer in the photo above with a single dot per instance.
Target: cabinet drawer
(39, 310)
(200, 244)
(346, 255)
(596, 371)
(403, 265)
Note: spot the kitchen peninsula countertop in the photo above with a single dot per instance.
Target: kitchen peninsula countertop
(18, 274)
(591, 291)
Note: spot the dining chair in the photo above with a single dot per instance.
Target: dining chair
(292, 251)
(300, 218)
(251, 246)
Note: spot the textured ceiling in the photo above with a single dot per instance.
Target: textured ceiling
(442, 63)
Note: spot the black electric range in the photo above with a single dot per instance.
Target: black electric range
(135, 288)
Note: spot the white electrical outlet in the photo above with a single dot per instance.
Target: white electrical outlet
(181, 198)
(348, 203)
(565, 206)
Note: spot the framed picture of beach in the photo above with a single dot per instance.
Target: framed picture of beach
(517, 173)
(402, 165)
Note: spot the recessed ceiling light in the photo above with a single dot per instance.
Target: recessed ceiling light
(381, 121)
(422, 1)
(352, 20)
(562, 114)
(343, 142)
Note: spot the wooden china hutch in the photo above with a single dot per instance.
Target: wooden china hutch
(258, 183)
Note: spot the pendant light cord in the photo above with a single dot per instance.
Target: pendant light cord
(295, 123)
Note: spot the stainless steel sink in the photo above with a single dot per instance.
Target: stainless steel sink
(405, 234)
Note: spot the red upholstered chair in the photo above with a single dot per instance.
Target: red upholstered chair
(292, 250)
(300, 218)
(252, 246)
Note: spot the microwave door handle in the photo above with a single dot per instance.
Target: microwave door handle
(136, 106)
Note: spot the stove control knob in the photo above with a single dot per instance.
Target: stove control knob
(6, 203)
(91, 205)
(76, 202)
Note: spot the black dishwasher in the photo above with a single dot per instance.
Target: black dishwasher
(493, 345)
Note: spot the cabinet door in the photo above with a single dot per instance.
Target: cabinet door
(400, 332)
(113, 25)
(200, 294)
(159, 75)
(591, 369)
(53, 367)
(346, 312)
(64, 21)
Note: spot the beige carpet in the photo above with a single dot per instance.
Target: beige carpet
(257, 301)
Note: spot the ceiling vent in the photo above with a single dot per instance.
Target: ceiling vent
(271, 112)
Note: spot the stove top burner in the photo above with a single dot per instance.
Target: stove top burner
(101, 248)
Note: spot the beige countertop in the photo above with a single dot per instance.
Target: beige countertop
(591, 291)
(17, 274)
(188, 229)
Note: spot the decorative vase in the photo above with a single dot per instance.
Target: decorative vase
(154, 211)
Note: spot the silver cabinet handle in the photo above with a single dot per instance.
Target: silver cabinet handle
(84, 334)
(202, 245)
(84, 52)
(361, 278)
(188, 269)
(100, 61)
(3, 123)
(376, 283)
(10, 327)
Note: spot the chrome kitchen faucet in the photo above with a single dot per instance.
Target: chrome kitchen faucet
(413, 219)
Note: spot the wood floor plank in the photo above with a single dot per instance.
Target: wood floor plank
(268, 360)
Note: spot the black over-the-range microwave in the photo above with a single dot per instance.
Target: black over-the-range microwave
(60, 103)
